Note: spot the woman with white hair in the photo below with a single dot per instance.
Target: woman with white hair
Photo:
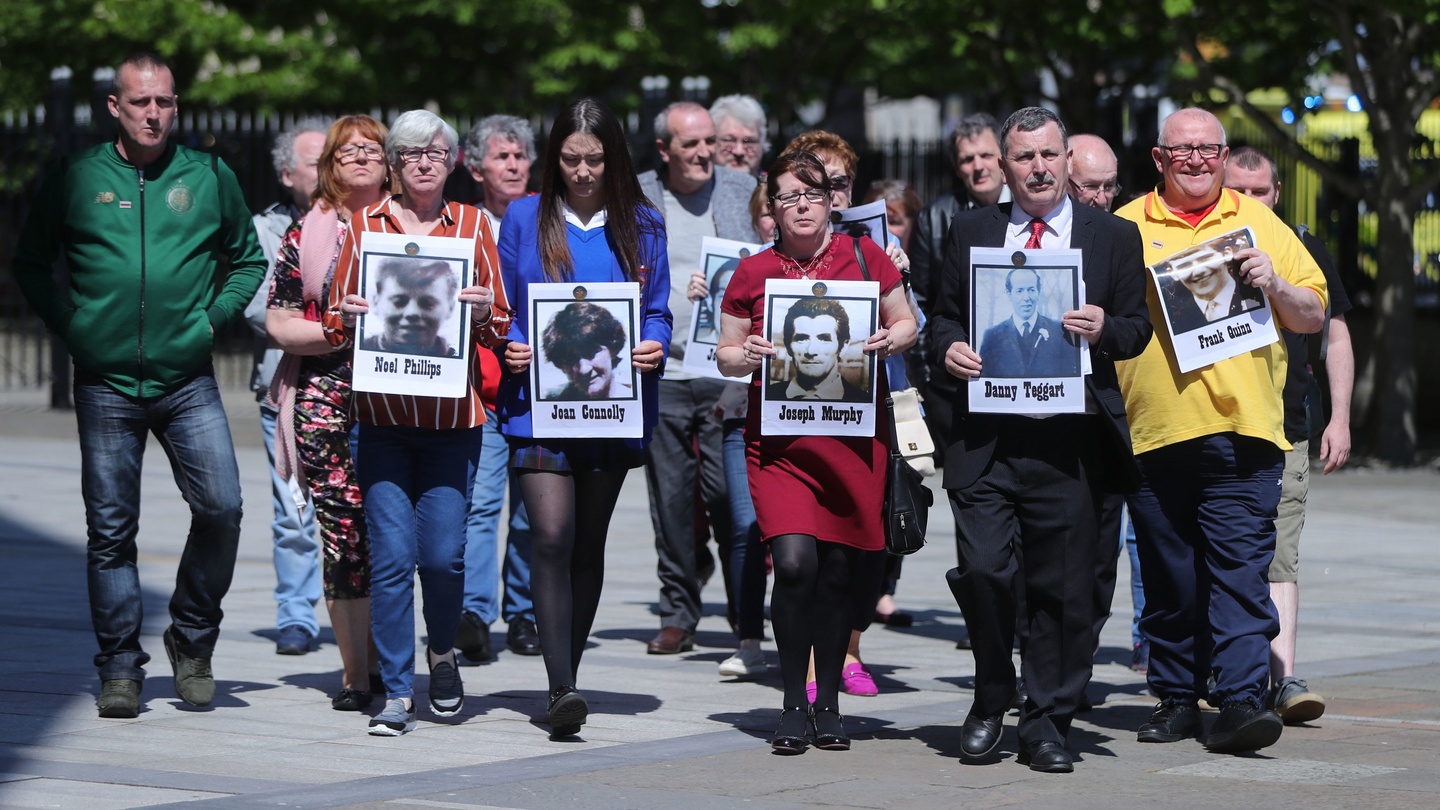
(417, 455)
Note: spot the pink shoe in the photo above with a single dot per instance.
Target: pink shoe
(857, 681)
(810, 690)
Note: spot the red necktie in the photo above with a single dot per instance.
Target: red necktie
(1037, 229)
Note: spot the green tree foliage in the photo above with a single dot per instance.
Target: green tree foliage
(1390, 51)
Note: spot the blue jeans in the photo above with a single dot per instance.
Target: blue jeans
(482, 534)
(1137, 582)
(416, 487)
(1205, 524)
(190, 425)
(297, 548)
(747, 552)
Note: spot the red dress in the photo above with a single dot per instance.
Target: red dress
(831, 487)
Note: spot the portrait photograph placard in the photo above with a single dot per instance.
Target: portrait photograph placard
(1029, 364)
(583, 383)
(1210, 312)
(870, 219)
(416, 337)
(820, 381)
(719, 259)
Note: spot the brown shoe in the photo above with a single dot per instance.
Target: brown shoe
(671, 640)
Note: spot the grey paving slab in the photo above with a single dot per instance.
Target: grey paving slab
(666, 731)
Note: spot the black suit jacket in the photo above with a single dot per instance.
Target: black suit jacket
(1186, 314)
(1115, 280)
(1048, 351)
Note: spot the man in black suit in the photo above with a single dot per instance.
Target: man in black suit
(1036, 483)
(1027, 344)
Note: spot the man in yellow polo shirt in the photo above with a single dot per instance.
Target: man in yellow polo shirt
(1211, 447)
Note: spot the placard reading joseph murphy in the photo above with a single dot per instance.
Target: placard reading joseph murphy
(820, 381)
(1212, 314)
(1029, 364)
(581, 375)
(719, 259)
(416, 337)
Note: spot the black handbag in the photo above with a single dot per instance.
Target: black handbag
(907, 499)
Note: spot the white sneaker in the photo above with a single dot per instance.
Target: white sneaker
(743, 664)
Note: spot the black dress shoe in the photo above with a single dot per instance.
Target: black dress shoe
(963, 643)
(351, 700)
(567, 712)
(1021, 695)
(473, 638)
(980, 736)
(522, 638)
(1046, 756)
(829, 730)
(790, 736)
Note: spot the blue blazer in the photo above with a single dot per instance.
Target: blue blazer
(595, 261)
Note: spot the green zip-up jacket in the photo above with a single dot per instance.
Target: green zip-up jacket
(143, 248)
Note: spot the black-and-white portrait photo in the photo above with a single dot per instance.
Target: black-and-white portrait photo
(718, 272)
(1201, 286)
(414, 306)
(871, 219)
(820, 350)
(1017, 314)
(584, 351)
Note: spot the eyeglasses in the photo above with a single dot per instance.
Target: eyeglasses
(414, 155)
(1182, 152)
(839, 182)
(748, 144)
(353, 151)
(814, 196)
(1094, 189)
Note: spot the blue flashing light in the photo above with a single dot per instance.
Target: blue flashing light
(1287, 115)
(1353, 104)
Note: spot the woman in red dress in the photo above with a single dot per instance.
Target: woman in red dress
(817, 498)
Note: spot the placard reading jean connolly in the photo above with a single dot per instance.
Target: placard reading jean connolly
(820, 381)
(583, 383)
(718, 260)
(1029, 363)
(415, 338)
(1212, 314)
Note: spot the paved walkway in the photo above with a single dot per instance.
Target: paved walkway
(665, 731)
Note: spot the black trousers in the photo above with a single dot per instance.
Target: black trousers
(1036, 500)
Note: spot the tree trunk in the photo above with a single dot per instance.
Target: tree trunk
(1392, 412)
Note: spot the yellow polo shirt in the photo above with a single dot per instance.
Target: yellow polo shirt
(1241, 394)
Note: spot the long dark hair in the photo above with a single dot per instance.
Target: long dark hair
(628, 215)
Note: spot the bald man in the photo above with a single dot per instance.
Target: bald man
(1211, 448)
(1093, 170)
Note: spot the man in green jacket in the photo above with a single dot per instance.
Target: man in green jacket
(141, 222)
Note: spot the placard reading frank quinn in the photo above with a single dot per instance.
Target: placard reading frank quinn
(416, 337)
(584, 384)
(1029, 364)
(820, 382)
(719, 259)
(1211, 313)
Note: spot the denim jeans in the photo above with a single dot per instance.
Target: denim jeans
(297, 547)
(747, 552)
(416, 487)
(482, 536)
(190, 425)
(1137, 582)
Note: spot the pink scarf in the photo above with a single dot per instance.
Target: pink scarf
(319, 251)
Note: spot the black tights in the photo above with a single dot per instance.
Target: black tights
(569, 518)
(810, 608)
